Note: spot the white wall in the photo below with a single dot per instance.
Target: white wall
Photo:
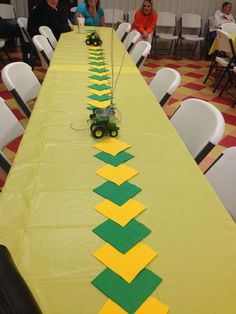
(203, 7)
(21, 7)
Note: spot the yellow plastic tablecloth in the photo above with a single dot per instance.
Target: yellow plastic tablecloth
(214, 46)
(47, 206)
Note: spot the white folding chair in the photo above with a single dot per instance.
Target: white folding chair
(44, 50)
(22, 83)
(122, 30)
(7, 11)
(229, 28)
(47, 32)
(10, 129)
(225, 45)
(131, 16)
(166, 29)
(222, 176)
(164, 84)
(2, 52)
(200, 125)
(112, 16)
(140, 52)
(190, 31)
(23, 23)
(131, 39)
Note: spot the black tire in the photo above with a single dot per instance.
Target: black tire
(113, 133)
(92, 127)
(98, 132)
(87, 41)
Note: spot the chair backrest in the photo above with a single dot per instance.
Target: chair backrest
(73, 9)
(113, 15)
(222, 176)
(44, 50)
(131, 40)
(190, 20)
(2, 43)
(200, 125)
(10, 128)
(23, 23)
(166, 19)
(21, 81)
(229, 28)
(224, 42)
(123, 30)
(131, 16)
(7, 11)
(47, 32)
(140, 52)
(164, 83)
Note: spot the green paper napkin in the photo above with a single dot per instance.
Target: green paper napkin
(99, 87)
(98, 70)
(92, 107)
(100, 98)
(122, 238)
(96, 54)
(99, 78)
(129, 296)
(97, 63)
(114, 160)
(118, 194)
(96, 58)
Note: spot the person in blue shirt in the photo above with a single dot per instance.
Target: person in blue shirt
(92, 12)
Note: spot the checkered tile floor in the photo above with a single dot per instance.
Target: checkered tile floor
(192, 74)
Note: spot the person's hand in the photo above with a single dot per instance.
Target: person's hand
(145, 35)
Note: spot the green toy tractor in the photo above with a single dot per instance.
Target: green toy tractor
(103, 122)
(93, 39)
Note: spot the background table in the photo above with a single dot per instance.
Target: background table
(46, 207)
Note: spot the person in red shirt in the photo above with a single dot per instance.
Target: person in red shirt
(145, 20)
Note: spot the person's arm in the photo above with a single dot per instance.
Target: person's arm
(103, 21)
(217, 19)
(221, 18)
(102, 16)
(231, 18)
(80, 11)
(138, 22)
(153, 22)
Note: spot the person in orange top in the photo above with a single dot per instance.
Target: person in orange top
(145, 20)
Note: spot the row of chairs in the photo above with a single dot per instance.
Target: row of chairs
(190, 28)
(224, 60)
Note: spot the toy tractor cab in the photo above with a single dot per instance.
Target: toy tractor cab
(103, 122)
(93, 39)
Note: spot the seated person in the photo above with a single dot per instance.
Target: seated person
(45, 13)
(10, 30)
(145, 20)
(92, 12)
(220, 17)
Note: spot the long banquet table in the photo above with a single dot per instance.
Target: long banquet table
(47, 205)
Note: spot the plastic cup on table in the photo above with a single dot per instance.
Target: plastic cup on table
(81, 21)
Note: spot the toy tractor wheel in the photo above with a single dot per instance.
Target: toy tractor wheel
(98, 132)
(113, 133)
(95, 43)
(92, 127)
(87, 41)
